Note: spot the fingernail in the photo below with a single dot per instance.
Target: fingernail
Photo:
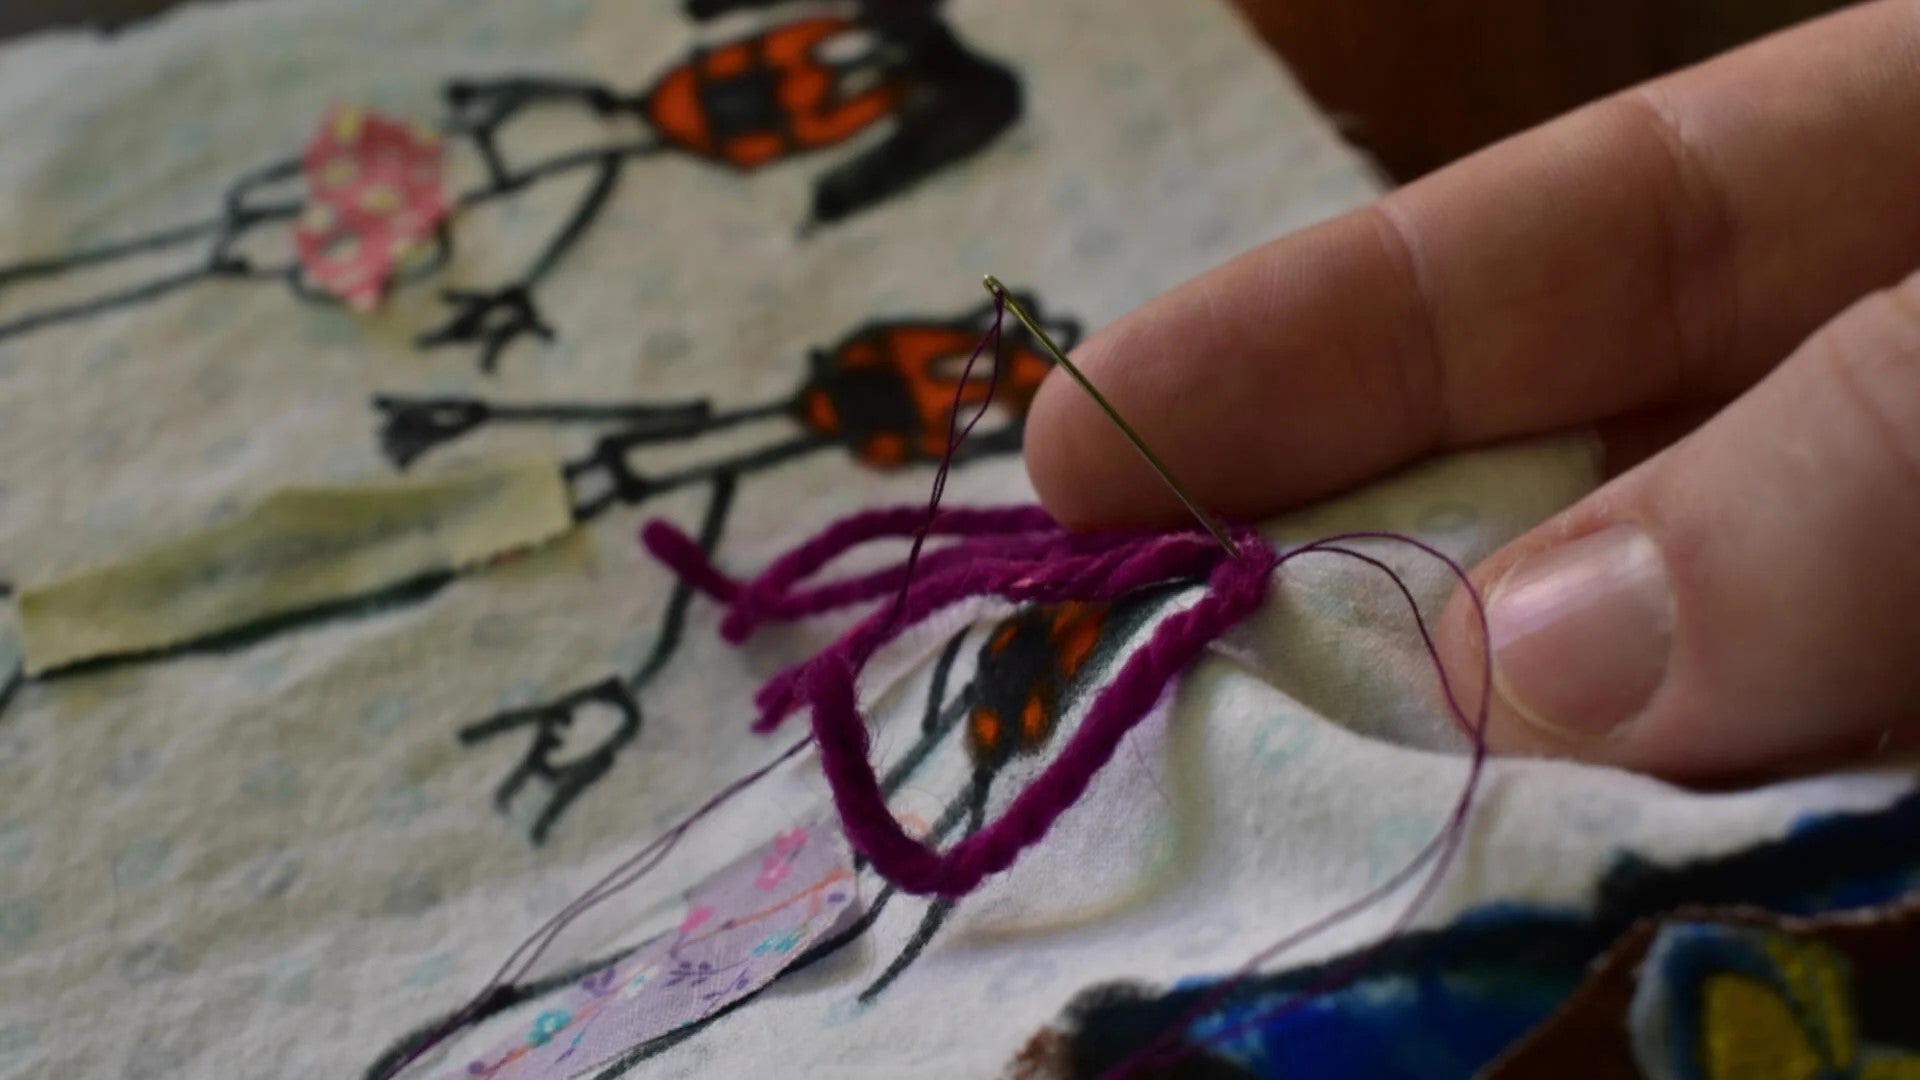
(1581, 632)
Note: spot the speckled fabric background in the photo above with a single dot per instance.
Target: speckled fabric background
(275, 858)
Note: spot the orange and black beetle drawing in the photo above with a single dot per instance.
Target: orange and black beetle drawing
(1030, 670)
(790, 90)
(883, 394)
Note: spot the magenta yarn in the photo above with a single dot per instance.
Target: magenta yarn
(1021, 555)
(1018, 554)
(1174, 1043)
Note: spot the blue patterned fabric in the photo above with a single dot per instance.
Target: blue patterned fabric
(1444, 1003)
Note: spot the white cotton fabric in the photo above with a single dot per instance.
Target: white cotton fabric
(273, 861)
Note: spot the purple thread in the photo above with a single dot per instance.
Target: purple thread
(1173, 1045)
(1017, 554)
(1140, 759)
(1047, 565)
(1029, 559)
(617, 880)
(771, 596)
(1236, 589)
(1043, 565)
(955, 436)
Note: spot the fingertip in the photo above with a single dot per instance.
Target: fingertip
(1468, 643)
(1282, 376)
(1054, 455)
(1081, 466)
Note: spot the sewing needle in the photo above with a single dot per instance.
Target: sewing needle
(1001, 293)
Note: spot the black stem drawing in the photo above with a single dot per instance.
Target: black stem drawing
(739, 105)
(551, 721)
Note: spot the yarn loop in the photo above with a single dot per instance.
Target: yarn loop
(1015, 553)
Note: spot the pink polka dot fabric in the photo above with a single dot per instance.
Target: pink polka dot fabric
(374, 197)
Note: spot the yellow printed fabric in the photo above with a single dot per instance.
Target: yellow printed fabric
(1718, 1001)
(1753, 1034)
(280, 857)
(300, 548)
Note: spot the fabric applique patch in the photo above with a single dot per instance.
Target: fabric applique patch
(300, 550)
(1505, 991)
(742, 928)
(373, 200)
(1741, 994)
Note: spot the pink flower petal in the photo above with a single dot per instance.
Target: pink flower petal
(695, 917)
(374, 192)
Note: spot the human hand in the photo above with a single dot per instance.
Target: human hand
(1714, 269)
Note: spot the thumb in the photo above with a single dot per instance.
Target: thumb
(1746, 600)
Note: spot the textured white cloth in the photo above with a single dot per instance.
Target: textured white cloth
(274, 860)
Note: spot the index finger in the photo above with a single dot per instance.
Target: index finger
(1666, 245)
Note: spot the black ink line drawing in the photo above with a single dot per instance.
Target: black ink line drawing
(10, 685)
(550, 721)
(741, 105)
(1032, 667)
(883, 392)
